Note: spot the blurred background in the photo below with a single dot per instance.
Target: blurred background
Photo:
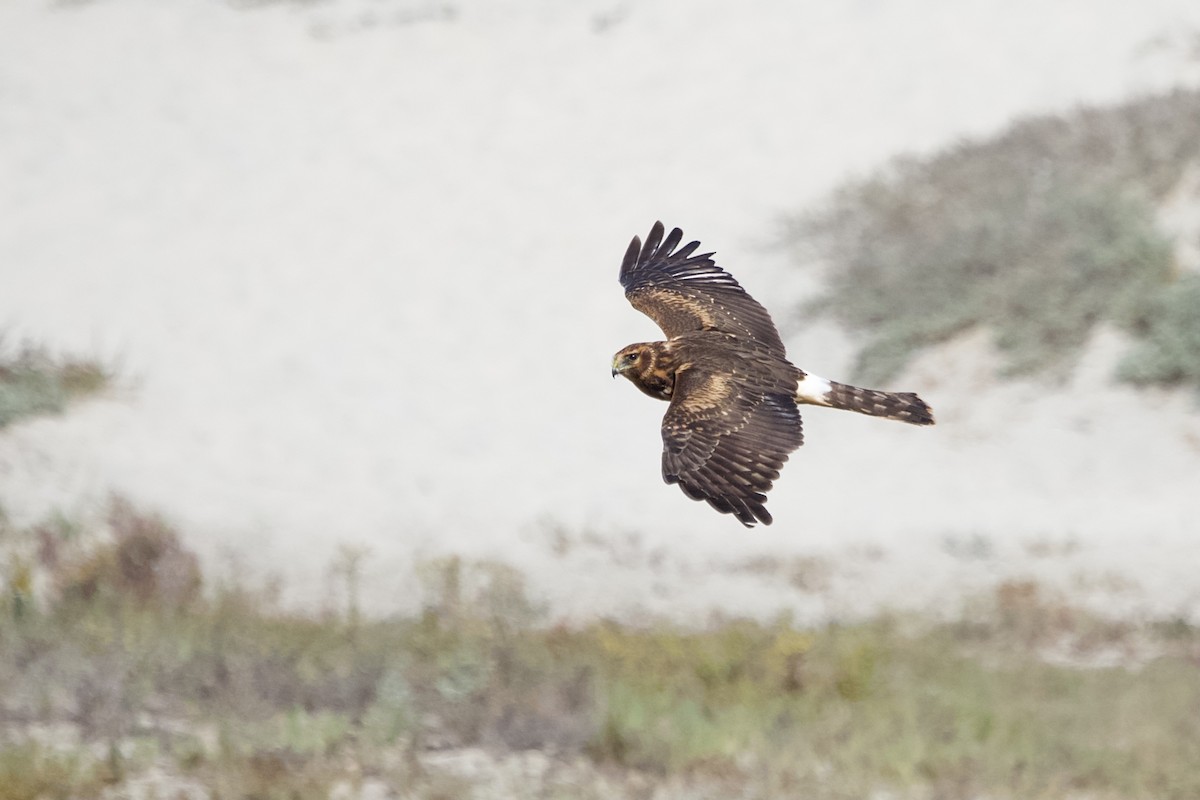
(313, 302)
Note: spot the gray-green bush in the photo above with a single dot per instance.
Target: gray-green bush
(1038, 235)
(34, 382)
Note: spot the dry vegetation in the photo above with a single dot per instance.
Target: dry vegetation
(119, 666)
(1039, 235)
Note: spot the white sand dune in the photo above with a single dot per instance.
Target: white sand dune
(357, 263)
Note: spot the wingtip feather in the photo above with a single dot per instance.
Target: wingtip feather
(631, 257)
(671, 242)
(653, 239)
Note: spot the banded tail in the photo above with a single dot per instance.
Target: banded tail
(903, 406)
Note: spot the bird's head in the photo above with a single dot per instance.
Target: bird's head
(631, 360)
(648, 367)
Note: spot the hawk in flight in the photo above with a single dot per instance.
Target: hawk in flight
(732, 418)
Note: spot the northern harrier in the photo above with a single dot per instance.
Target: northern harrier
(732, 419)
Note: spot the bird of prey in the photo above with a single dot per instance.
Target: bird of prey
(733, 394)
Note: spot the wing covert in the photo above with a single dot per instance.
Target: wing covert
(725, 443)
(684, 292)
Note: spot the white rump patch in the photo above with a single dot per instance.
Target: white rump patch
(814, 390)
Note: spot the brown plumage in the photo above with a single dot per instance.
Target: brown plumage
(733, 419)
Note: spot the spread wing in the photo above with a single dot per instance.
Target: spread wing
(724, 442)
(684, 292)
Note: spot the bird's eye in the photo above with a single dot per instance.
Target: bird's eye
(632, 356)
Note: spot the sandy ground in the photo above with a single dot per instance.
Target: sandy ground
(356, 263)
